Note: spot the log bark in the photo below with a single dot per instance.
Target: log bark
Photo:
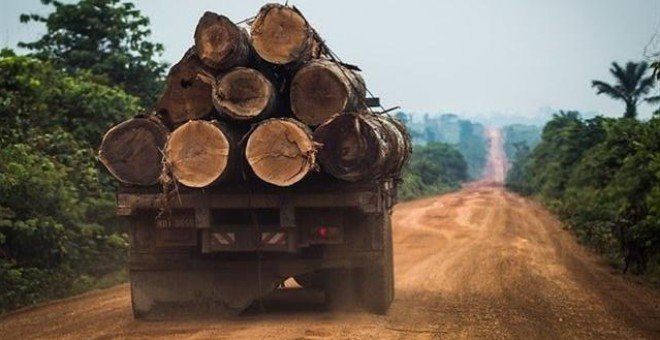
(281, 35)
(281, 151)
(358, 146)
(406, 143)
(187, 94)
(322, 89)
(132, 151)
(199, 152)
(244, 94)
(220, 44)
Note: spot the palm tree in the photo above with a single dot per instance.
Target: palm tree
(631, 85)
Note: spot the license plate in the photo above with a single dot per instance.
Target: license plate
(182, 221)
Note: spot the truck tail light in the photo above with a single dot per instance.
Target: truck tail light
(325, 233)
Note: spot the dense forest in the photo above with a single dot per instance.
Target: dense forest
(58, 231)
(520, 136)
(434, 168)
(602, 175)
(467, 137)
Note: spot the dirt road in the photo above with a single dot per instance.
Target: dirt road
(481, 262)
(478, 263)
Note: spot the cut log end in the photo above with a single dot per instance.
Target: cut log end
(280, 35)
(198, 153)
(244, 94)
(132, 151)
(219, 43)
(317, 94)
(280, 151)
(187, 94)
(322, 89)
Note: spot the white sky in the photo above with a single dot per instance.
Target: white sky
(478, 58)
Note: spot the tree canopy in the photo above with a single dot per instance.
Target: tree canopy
(58, 232)
(108, 38)
(433, 169)
(631, 85)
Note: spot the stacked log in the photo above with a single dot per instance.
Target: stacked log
(244, 94)
(357, 146)
(199, 152)
(187, 92)
(268, 104)
(281, 35)
(281, 151)
(220, 44)
(131, 151)
(322, 89)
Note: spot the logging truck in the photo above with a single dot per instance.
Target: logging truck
(263, 161)
(226, 247)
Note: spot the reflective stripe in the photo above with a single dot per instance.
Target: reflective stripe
(273, 238)
(224, 238)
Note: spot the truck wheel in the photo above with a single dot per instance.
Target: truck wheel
(377, 281)
(141, 301)
(339, 286)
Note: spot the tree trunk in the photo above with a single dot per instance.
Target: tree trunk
(357, 146)
(244, 94)
(220, 44)
(281, 151)
(322, 89)
(200, 152)
(281, 35)
(187, 94)
(132, 150)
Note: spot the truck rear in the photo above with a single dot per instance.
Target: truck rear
(224, 247)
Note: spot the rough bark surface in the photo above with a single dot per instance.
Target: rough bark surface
(358, 146)
(132, 151)
(281, 35)
(198, 153)
(244, 94)
(281, 151)
(187, 94)
(220, 44)
(322, 89)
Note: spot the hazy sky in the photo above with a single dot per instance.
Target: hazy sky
(474, 57)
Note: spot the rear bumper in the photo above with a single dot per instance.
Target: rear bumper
(289, 266)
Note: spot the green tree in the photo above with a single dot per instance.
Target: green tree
(36, 95)
(602, 176)
(631, 85)
(58, 233)
(107, 37)
(433, 169)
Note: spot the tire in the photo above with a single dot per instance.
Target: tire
(340, 289)
(377, 281)
(142, 302)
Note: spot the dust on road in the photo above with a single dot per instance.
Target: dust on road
(481, 262)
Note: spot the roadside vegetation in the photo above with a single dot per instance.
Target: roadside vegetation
(602, 175)
(58, 232)
(433, 169)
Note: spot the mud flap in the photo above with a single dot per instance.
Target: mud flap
(170, 293)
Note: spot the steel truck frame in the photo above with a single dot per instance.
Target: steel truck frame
(224, 247)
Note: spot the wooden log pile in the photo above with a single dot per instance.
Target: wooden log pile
(269, 98)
